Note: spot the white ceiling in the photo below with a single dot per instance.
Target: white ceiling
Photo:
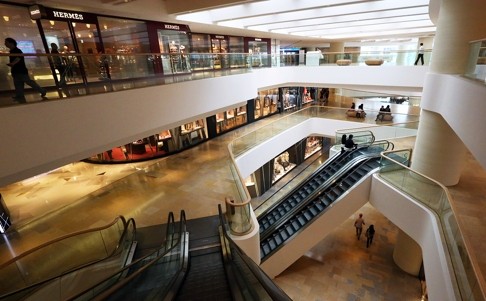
(297, 22)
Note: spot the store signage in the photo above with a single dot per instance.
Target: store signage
(219, 37)
(37, 12)
(40, 12)
(258, 40)
(66, 15)
(171, 26)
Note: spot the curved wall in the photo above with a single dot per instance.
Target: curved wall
(40, 137)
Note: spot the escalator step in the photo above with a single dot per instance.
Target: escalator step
(308, 215)
(301, 219)
(319, 205)
(289, 229)
(278, 239)
(265, 249)
(283, 234)
(295, 225)
(271, 244)
(313, 210)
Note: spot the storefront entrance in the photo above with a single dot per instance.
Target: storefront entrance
(72, 33)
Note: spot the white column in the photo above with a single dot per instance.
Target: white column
(407, 254)
(438, 152)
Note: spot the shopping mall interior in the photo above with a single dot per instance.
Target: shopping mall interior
(163, 106)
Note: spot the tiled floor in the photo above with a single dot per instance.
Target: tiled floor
(81, 195)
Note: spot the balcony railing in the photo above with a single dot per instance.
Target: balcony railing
(101, 73)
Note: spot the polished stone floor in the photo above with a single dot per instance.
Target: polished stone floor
(80, 195)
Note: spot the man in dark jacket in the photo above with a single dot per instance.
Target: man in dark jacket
(19, 72)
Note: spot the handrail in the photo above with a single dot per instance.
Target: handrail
(481, 283)
(157, 253)
(51, 242)
(275, 292)
(241, 208)
(127, 224)
(337, 175)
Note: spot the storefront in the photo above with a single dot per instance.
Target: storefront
(259, 51)
(271, 172)
(172, 42)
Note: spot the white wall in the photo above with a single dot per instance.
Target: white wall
(40, 137)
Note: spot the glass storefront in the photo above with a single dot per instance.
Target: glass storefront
(16, 23)
(173, 44)
(258, 52)
(237, 50)
(122, 41)
(230, 119)
(200, 52)
(266, 103)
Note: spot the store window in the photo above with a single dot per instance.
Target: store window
(237, 49)
(123, 40)
(16, 23)
(200, 53)
(230, 119)
(290, 98)
(266, 103)
(174, 46)
(258, 53)
(155, 146)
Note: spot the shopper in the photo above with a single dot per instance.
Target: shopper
(58, 64)
(380, 114)
(19, 72)
(349, 144)
(370, 232)
(358, 224)
(420, 55)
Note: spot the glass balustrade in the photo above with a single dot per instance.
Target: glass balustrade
(437, 198)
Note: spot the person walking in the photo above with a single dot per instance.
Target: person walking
(420, 55)
(19, 72)
(58, 63)
(358, 224)
(370, 232)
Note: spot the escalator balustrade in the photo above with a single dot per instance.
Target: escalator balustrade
(316, 202)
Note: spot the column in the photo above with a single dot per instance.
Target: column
(407, 254)
(438, 152)
(335, 47)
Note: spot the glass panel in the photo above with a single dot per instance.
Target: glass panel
(57, 32)
(122, 38)
(28, 40)
(87, 38)
(236, 46)
(174, 46)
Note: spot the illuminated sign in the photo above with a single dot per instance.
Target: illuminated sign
(171, 26)
(66, 15)
(37, 12)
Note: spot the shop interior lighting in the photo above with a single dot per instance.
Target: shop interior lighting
(52, 22)
(6, 18)
(88, 25)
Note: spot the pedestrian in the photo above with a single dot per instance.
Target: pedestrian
(420, 55)
(370, 232)
(19, 72)
(358, 224)
(58, 64)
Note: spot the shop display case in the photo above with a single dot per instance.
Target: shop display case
(282, 166)
(312, 146)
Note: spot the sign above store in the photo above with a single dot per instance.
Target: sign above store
(41, 12)
(37, 12)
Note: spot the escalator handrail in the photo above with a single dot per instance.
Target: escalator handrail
(120, 284)
(79, 268)
(335, 159)
(275, 292)
(170, 219)
(56, 240)
(283, 219)
(304, 226)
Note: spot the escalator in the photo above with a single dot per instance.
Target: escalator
(309, 200)
(214, 268)
(60, 268)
